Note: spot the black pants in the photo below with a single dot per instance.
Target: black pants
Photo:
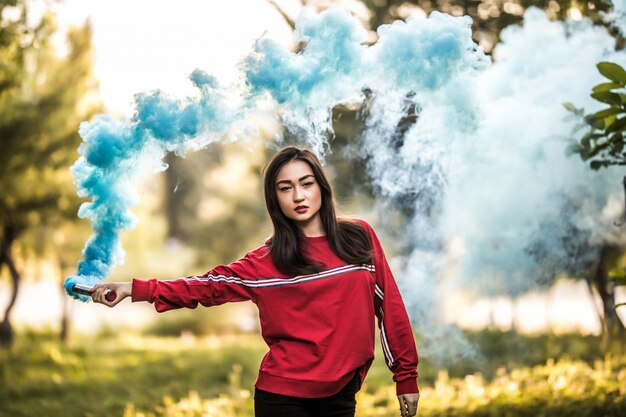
(342, 404)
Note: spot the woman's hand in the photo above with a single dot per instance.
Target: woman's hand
(122, 289)
(408, 404)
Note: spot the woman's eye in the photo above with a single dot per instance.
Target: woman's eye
(284, 188)
(308, 184)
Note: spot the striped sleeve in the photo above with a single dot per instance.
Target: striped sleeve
(395, 328)
(222, 284)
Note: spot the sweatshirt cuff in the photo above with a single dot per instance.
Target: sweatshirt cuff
(408, 386)
(140, 291)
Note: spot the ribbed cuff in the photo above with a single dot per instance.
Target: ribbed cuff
(141, 290)
(408, 386)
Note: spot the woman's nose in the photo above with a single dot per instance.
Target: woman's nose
(297, 194)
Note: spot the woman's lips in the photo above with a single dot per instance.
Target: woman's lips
(302, 209)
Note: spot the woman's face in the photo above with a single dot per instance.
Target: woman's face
(299, 194)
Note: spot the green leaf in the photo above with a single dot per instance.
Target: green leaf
(613, 72)
(570, 107)
(595, 152)
(608, 97)
(595, 123)
(605, 87)
(585, 141)
(595, 165)
(616, 126)
(606, 112)
(587, 137)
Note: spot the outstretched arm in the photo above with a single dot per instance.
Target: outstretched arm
(222, 284)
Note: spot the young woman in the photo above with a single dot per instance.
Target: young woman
(318, 283)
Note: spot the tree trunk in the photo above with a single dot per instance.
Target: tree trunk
(6, 258)
(65, 315)
(514, 321)
(612, 327)
(599, 311)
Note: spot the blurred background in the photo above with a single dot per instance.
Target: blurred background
(554, 347)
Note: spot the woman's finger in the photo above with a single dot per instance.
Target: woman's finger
(403, 408)
(408, 404)
(94, 294)
(98, 294)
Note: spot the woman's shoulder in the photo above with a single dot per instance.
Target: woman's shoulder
(259, 253)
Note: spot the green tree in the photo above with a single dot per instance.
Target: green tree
(602, 146)
(43, 98)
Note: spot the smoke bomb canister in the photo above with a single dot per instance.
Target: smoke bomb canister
(109, 295)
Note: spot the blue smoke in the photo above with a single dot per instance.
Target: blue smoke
(336, 66)
(333, 51)
(114, 154)
(497, 206)
(482, 168)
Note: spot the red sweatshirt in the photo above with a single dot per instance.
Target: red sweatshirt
(320, 327)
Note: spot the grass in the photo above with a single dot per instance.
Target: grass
(565, 388)
(147, 376)
(562, 388)
(101, 377)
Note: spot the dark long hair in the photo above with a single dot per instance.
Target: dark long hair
(346, 237)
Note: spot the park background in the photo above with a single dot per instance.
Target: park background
(553, 347)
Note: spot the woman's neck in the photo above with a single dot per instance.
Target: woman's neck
(313, 227)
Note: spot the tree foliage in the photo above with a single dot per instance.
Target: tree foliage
(43, 99)
(602, 144)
